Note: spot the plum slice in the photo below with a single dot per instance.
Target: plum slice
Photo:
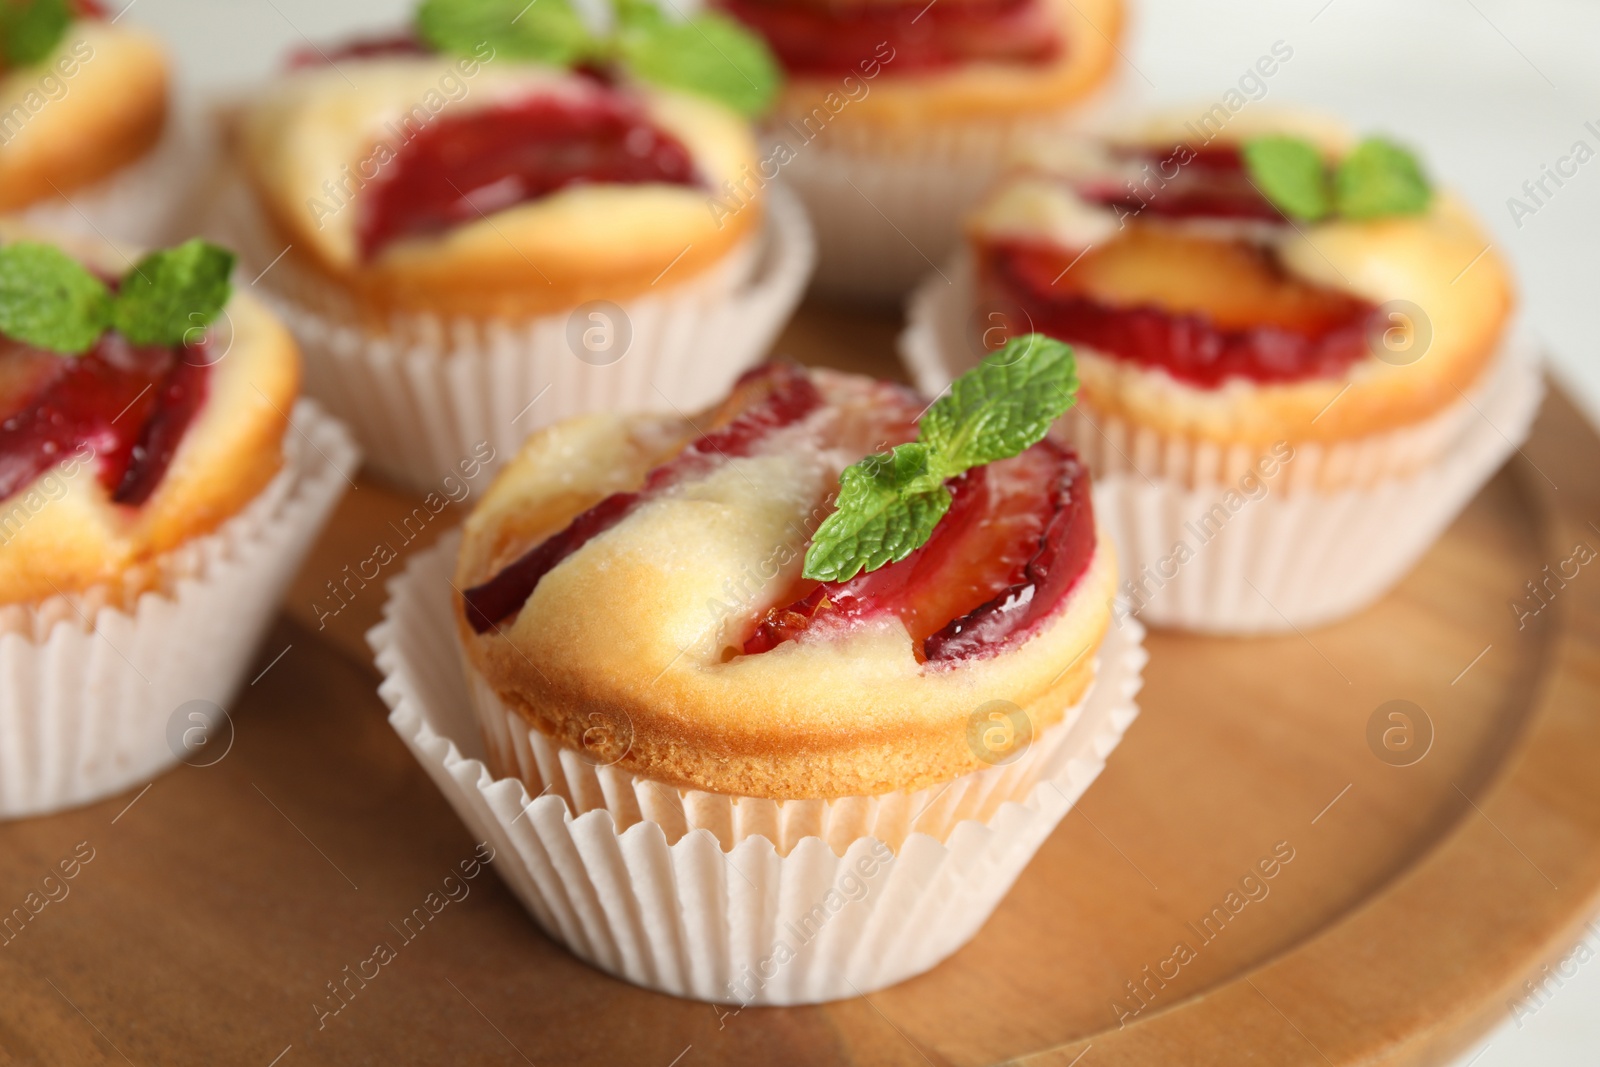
(763, 401)
(1203, 308)
(459, 168)
(1018, 535)
(129, 405)
(1184, 183)
(839, 39)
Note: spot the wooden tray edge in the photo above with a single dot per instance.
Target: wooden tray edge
(1333, 997)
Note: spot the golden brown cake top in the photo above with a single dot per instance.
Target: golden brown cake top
(888, 77)
(96, 103)
(669, 597)
(482, 185)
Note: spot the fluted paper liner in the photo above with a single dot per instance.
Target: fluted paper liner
(1206, 543)
(881, 223)
(429, 393)
(145, 203)
(885, 214)
(89, 681)
(516, 750)
(738, 920)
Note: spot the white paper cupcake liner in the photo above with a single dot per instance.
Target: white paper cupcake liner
(516, 750)
(1206, 543)
(146, 203)
(1303, 558)
(431, 394)
(675, 909)
(89, 689)
(886, 215)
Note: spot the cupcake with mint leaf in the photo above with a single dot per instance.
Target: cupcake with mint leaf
(1294, 350)
(159, 486)
(821, 645)
(509, 215)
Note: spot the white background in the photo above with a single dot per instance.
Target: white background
(1491, 90)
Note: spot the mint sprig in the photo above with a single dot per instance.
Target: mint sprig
(544, 31)
(890, 503)
(1290, 173)
(887, 508)
(1380, 178)
(51, 301)
(1377, 179)
(707, 54)
(167, 294)
(30, 30)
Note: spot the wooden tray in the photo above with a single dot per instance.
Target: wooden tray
(222, 900)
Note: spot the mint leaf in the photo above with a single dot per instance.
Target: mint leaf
(50, 300)
(888, 506)
(1290, 173)
(1380, 178)
(1377, 179)
(890, 503)
(30, 30)
(1002, 407)
(709, 54)
(637, 14)
(544, 31)
(168, 295)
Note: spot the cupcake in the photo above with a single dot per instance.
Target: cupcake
(897, 115)
(858, 654)
(152, 507)
(87, 144)
(1293, 351)
(493, 225)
